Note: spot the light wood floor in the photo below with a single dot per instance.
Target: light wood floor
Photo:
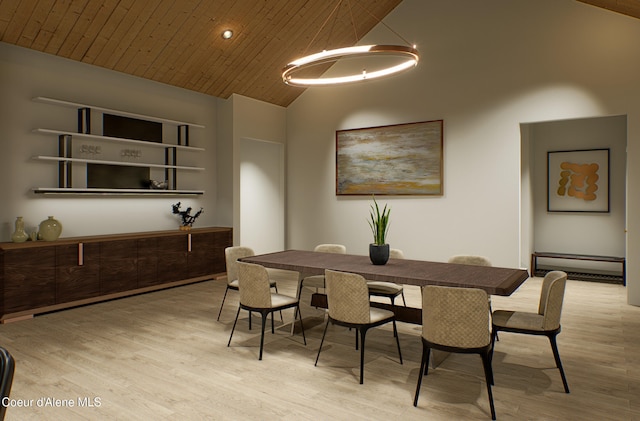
(163, 356)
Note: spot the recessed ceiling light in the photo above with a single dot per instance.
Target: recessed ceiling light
(227, 34)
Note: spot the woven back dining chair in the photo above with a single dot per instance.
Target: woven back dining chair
(256, 296)
(317, 281)
(389, 290)
(456, 320)
(545, 322)
(348, 302)
(231, 255)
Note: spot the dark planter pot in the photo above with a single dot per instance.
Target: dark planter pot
(379, 255)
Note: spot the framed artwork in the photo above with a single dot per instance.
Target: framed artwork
(578, 181)
(402, 159)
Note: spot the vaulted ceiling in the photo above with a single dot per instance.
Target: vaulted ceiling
(180, 43)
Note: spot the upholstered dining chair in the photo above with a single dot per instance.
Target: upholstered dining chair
(468, 259)
(317, 281)
(456, 320)
(7, 368)
(545, 322)
(348, 302)
(389, 290)
(231, 255)
(256, 295)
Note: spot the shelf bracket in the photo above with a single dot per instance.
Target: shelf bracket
(183, 134)
(84, 120)
(170, 174)
(64, 167)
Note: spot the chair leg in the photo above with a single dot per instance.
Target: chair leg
(234, 326)
(491, 313)
(488, 374)
(224, 297)
(321, 342)
(281, 319)
(556, 355)
(301, 324)
(395, 333)
(494, 335)
(363, 333)
(403, 300)
(264, 323)
(426, 367)
(393, 308)
(423, 367)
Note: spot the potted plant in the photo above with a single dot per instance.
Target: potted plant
(379, 223)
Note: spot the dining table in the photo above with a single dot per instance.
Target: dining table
(494, 280)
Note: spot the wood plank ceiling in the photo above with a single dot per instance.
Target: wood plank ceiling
(626, 7)
(179, 42)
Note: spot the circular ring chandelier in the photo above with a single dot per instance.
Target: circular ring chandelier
(408, 56)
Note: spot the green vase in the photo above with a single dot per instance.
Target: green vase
(50, 229)
(19, 235)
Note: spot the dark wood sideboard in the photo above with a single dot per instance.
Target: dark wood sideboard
(40, 276)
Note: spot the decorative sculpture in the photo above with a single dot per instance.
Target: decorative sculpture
(187, 218)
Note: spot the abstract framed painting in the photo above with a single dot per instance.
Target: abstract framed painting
(401, 159)
(578, 181)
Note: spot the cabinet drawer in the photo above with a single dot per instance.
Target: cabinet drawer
(29, 279)
(148, 262)
(77, 272)
(172, 258)
(118, 266)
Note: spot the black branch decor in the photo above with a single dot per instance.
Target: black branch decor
(185, 216)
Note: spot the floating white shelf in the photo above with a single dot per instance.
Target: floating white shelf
(117, 139)
(112, 111)
(118, 192)
(121, 163)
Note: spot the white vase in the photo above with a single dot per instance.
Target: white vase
(50, 229)
(19, 235)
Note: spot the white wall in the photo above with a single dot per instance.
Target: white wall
(486, 67)
(262, 195)
(245, 118)
(25, 74)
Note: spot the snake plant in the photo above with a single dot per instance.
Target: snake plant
(379, 223)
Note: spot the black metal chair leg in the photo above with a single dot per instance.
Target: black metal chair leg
(363, 333)
(426, 367)
(395, 334)
(224, 297)
(281, 319)
(264, 323)
(423, 363)
(488, 374)
(301, 324)
(494, 334)
(234, 326)
(321, 342)
(393, 308)
(272, 326)
(556, 355)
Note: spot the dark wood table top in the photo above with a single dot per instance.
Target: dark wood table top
(494, 280)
